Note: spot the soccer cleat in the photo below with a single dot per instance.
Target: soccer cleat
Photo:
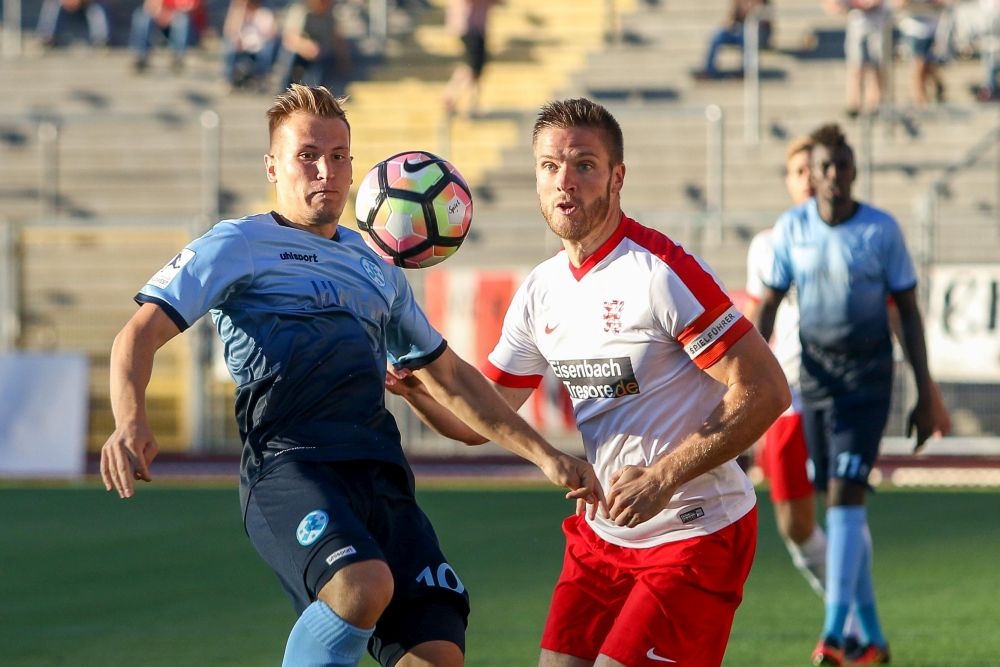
(872, 655)
(852, 647)
(827, 654)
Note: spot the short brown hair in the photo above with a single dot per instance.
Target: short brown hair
(581, 112)
(829, 135)
(315, 100)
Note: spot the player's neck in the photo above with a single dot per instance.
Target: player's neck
(579, 251)
(836, 212)
(327, 230)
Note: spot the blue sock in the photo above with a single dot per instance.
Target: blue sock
(845, 527)
(871, 628)
(320, 638)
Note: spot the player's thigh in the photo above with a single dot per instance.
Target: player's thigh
(682, 610)
(553, 659)
(785, 459)
(306, 524)
(433, 654)
(430, 605)
(854, 434)
(815, 428)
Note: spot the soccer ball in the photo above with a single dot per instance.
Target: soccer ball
(414, 209)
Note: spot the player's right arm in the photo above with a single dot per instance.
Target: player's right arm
(439, 419)
(127, 453)
(458, 388)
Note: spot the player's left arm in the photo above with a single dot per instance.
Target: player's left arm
(756, 394)
(929, 415)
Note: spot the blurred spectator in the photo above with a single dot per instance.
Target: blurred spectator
(61, 22)
(865, 43)
(732, 33)
(988, 45)
(468, 19)
(250, 43)
(919, 22)
(180, 22)
(314, 52)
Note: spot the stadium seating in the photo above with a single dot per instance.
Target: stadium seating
(132, 147)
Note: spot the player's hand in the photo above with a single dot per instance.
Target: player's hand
(579, 477)
(928, 417)
(637, 494)
(400, 382)
(921, 423)
(125, 458)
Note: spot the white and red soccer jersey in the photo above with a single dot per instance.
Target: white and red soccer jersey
(629, 333)
(785, 336)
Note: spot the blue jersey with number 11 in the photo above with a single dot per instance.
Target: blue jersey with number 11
(307, 325)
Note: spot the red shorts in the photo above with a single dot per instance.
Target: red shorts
(670, 603)
(784, 459)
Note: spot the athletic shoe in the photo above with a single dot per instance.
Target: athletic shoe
(827, 654)
(853, 647)
(872, 655)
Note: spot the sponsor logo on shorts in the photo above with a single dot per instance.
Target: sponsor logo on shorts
(340, 553)
(173, 267)
(597, 378)
(691, 515)
(311, 527)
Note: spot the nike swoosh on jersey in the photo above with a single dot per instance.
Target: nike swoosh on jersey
(550, 329)
(651, 654)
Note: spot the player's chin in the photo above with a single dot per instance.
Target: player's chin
(325, 211)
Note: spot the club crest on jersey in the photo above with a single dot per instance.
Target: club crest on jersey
(173, 267)
(311, 527)
(613, 315)
(374, 271)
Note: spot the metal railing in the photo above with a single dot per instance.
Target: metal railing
(49, 133)
(927, 205)
(752, 101)
(11, 32)
(10, 321)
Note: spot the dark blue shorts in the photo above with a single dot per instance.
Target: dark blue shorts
(844, 439)
(309, 519)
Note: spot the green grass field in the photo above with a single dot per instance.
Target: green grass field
(169, 579)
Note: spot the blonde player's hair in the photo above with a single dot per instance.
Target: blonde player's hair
(314, 100)
(796, 146)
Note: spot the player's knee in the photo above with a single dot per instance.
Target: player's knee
(845, 492)
(359, 592)
(800, 528)
(436, 653)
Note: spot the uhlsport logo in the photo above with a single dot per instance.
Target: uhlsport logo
(300, 257)
(311, 527)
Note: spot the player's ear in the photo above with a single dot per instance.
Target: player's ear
(269, 168)
(618, 177)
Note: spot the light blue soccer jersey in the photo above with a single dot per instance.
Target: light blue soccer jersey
(307, 325)
(843, 275)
